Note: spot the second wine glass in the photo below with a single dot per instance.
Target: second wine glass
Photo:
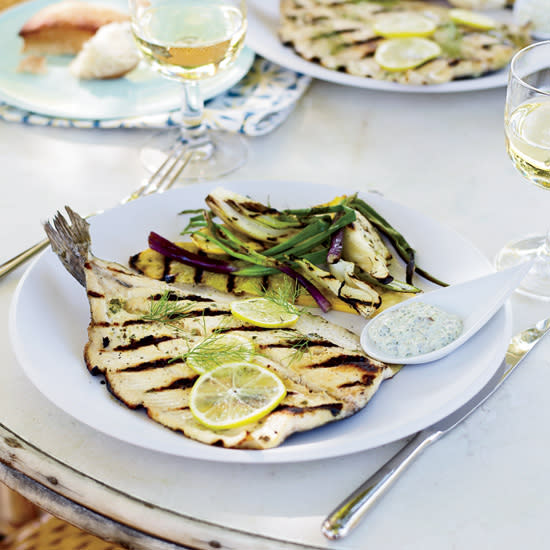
(190, 41)
(527, 127)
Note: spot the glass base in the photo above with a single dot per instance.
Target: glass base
(224, 153)
(536, 283)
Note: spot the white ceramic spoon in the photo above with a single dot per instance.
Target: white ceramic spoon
(475, 302)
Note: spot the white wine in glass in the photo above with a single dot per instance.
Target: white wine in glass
(527, 131)
(189, 41)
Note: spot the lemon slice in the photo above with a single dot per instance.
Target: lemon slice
(401, 25)
(235, 394)
(472, 19)
(263, 313)
(400, 54)
(222, 348)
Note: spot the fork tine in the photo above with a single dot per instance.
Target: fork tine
(183, 159)
(156, 179)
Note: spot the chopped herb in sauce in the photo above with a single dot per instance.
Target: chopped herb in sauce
(414, 329)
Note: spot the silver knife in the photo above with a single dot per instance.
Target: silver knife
(349, 512)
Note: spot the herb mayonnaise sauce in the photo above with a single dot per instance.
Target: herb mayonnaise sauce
(414, 329)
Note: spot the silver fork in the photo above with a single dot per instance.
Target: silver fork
(166, 175)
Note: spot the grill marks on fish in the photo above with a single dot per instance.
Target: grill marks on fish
(340, 36)
(150, 365)
(299, 342)
(171, 297)
(178, 384)
(341, 360)
(148, 340)
(334, 409)
(329, 379)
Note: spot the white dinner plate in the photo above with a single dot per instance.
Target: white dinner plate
(50, 315)
(60, 94)
(263, 24)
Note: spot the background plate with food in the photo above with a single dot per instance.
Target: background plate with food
(266, 38)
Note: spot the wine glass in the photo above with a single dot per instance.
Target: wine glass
(527, 131)
(189, 41)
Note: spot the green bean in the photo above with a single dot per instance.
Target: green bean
(396, 286)
(314, 210)
(314, 228)
(306, 246)
(316, 257)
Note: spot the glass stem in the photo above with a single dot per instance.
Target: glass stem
(193, 128)
(546, 246)
(541, 266)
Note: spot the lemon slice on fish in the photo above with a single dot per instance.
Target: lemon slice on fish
(403, 24)
(235, 394)
(400, 54)
(265, 313)
(472, 19)
(218, 349)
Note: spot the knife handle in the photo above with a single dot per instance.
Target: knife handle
(22, 257)
(349, 512)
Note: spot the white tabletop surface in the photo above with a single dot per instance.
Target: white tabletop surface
(483, 486)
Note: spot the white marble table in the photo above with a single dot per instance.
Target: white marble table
(483, 486)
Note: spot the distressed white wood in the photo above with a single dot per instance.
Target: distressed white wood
(441, 155)
(61, 490)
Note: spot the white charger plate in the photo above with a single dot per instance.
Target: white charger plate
(262, 37)
(50, 314)
(60, 94)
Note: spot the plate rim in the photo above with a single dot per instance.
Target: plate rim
(292, 454)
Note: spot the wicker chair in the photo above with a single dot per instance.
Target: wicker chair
(23, 526)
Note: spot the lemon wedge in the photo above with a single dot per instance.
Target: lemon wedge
(262, 312)
(221, 348)
(471, 19)
(235, 394)
(403, 24)
(400, 54)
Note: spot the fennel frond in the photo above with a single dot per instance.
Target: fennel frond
(167, 309)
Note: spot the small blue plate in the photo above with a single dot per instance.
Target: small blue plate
(60, 94)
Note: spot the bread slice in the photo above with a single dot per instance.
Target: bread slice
(62, 28)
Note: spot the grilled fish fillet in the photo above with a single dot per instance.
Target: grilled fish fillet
(339, 34)
(329, 379)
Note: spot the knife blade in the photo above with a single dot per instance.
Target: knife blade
(346, 516)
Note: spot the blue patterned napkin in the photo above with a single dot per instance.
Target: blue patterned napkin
(257, 104)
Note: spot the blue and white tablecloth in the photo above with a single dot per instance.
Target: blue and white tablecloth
(260, 102)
